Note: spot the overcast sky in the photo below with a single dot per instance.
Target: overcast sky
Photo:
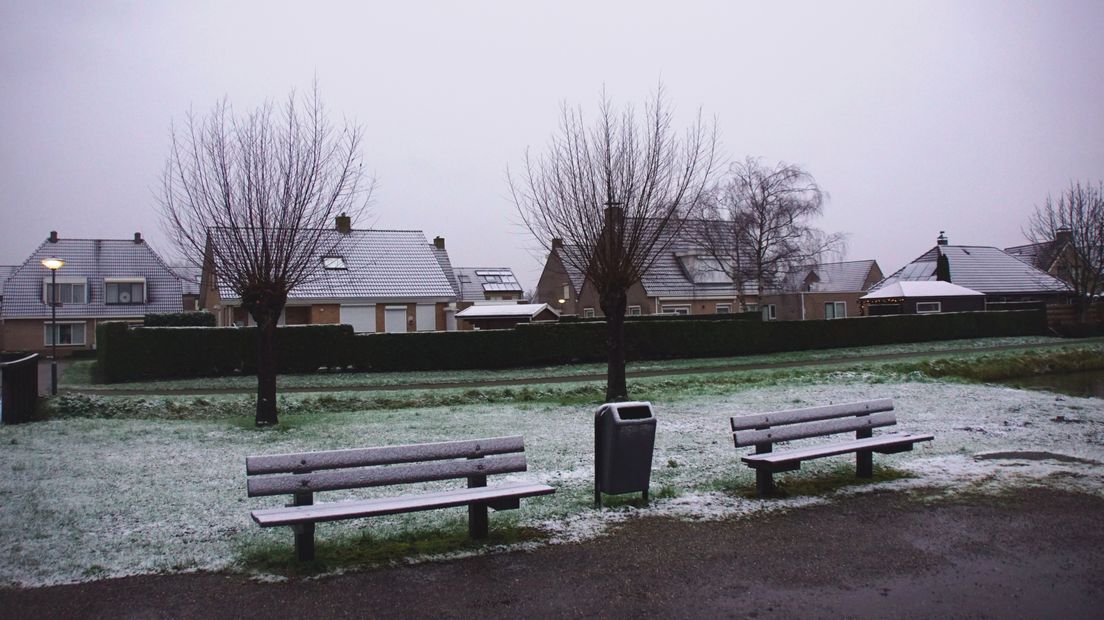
(915, 117)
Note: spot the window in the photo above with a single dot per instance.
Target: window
(588, 313)
(770, 313)
(633, 310)
(751, 307)
(724, 308)
(67, 334)
(333, 262)
(680, 310)
(926, 307)
(566, 292)
(835, 310)
(124, 291)
(69, 291)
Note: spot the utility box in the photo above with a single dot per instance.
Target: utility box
(624, 439)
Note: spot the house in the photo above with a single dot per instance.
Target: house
(504, 316)
(683, 279)
(1057, 257)
(374, 280)
(475, 285)
(921, 297)
(822, 291)
(101, 280)
(189, 284)
(5, 272)
(1000, 276)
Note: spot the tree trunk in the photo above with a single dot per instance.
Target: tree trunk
(613, 305)
(266, 373)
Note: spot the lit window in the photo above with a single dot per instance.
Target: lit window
(125, 292)
(66, 334)
(927, 307)
(333, 262)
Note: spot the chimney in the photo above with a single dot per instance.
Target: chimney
(344, 224)
(439, 243)
(557, 243)
(53, 236)
(942, 239)
(1062, 236)
(137, 237)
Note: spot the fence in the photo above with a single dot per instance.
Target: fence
(18, 389)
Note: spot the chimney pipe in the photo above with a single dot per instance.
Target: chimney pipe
(1063, 235)
(344, 224)
(942, 239)
(557, 243)
(137, 237)
(439, 243)
(53, 236)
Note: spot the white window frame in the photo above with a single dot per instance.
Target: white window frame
(934, 307)
(770, 312)
(835, 305)
(566, 292)
(47, 328)
(632, 311)
(588, 313)
(334, 263)
(676, 309)
(131, 281)
(62, 281)
(727, 309)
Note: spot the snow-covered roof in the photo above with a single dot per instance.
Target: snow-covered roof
(981, 268)
(375, 264)
(189, 278)
(932, 288)
(90, 262)
(842, 277)
(474, 283)
(504, 311)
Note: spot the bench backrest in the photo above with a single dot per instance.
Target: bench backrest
(766, 428)
(310, 472)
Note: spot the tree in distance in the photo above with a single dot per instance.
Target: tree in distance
(252, 198)
(617, 191)
(1074, 220)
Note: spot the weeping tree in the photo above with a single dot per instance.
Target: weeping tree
(618, 190)
(758, 225)
(1074, 222)
(253, 199)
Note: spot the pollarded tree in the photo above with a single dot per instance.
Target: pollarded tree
(1074, 221)
(618, 192)
(252, 198)
(759, 229)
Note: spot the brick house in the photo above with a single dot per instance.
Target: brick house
(374, 280)
(560, 282)
(824, 291)
(102, 280)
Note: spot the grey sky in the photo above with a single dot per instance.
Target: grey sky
(916, 117)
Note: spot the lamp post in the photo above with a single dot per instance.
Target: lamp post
(53, 264)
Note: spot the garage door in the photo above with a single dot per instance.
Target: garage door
(362, 318)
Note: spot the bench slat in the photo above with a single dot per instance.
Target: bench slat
(887, 440)
(810, 414)
(813, 429)
(387, 455)
(395, 505)
(380, 476)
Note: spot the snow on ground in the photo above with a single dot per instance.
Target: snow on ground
(84, 499)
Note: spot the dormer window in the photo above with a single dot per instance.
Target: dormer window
(125, 290)
(334, 262)
(69, 291)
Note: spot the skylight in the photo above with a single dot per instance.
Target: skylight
(333, 262)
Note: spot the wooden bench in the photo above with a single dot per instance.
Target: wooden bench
(303, 475)
(763, 430)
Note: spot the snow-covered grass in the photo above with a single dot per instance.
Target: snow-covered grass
(80, 376)
(84, 499)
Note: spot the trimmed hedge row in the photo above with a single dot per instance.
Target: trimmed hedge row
(179, 319)
(149, 353)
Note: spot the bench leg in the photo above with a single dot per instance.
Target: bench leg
(304, 541)
(864, 464)
(477, 521)
(764, 482)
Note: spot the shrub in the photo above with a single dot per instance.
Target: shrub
(179, 319)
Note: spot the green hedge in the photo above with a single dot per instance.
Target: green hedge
(179, 319)
(149, 353)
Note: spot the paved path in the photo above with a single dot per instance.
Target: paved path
(576, 378)
(1030, 554)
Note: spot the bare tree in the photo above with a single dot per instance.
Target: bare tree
(1075, 222)
(757, 227)
(253, 198)
(616, 191)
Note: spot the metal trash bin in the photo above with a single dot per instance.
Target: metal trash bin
(624, 438)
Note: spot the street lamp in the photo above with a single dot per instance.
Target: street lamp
(53, 264)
